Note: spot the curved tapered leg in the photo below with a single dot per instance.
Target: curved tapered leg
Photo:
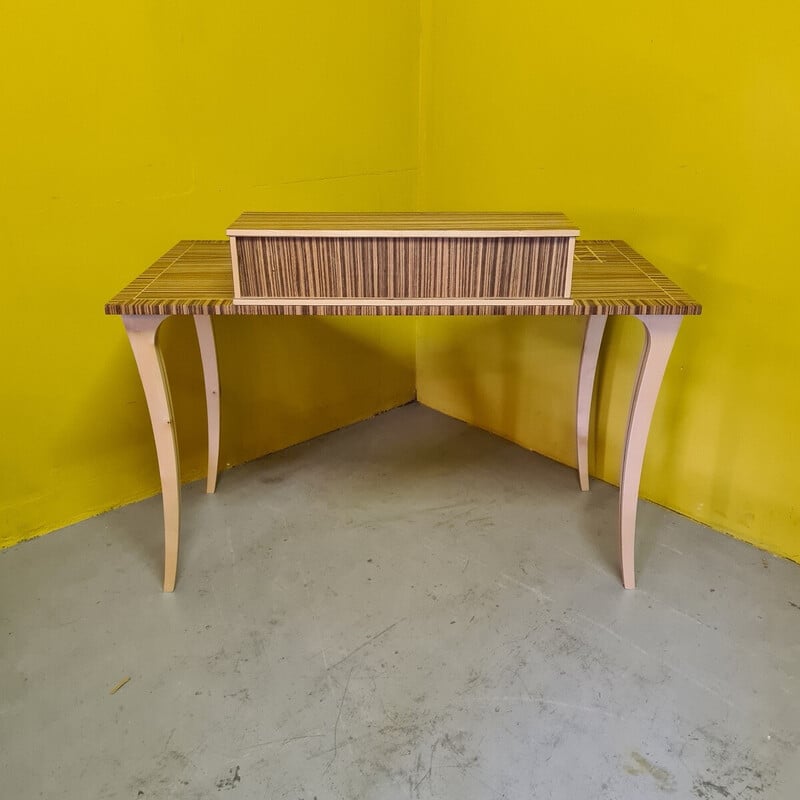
(142, 334)
(592, 339)
(660, 333)
(208, 355)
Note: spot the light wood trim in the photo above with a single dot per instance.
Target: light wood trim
(570, 261)
(237, 288)
(402, 301)
(403, 223)
(404, 234)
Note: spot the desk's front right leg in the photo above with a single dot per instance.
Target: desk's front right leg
(660, 333)
(142, 334)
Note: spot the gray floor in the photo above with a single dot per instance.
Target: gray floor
(406, 608)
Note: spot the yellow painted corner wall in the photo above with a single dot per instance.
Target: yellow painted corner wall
(674, 126)
(128, 127)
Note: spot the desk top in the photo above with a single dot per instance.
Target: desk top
(609, 277)
(427, 224)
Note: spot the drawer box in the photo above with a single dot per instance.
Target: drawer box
(402, 258)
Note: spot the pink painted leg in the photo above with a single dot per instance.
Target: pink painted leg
(660, 333)
(142, 334)
(208, 355)
(592, 339)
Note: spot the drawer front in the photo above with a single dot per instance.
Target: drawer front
(400, 268)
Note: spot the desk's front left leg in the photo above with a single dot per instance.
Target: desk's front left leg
(660, 333)
(142, 334)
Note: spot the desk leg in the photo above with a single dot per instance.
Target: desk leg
(142, 334)
(592, 339)
(660, 333)
(208, 355)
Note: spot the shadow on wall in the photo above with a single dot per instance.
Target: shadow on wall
(513, 376)
(682, 249)
(283, 380)
(288, 379)
(701, 460)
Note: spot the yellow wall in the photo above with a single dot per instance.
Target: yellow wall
(674, 126)
(127, 127)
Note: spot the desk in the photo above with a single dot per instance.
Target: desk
(609, 278)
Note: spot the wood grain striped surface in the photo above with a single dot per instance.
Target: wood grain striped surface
(359, 267)
(609, 277)
(402, 224)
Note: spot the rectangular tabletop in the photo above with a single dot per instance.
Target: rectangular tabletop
(609, 277)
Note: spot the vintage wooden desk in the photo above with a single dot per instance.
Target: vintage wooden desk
(609, 278)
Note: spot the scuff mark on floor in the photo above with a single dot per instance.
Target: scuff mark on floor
(643, 766)
(230, 781)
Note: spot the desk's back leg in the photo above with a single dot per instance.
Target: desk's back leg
(592, 339)
(142, 334)
(660, 333)
(208, 355)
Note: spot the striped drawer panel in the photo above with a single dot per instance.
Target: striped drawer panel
(397, 257)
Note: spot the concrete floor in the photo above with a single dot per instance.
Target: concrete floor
(408, 608)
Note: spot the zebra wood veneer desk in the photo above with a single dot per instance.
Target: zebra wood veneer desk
(608, 278)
